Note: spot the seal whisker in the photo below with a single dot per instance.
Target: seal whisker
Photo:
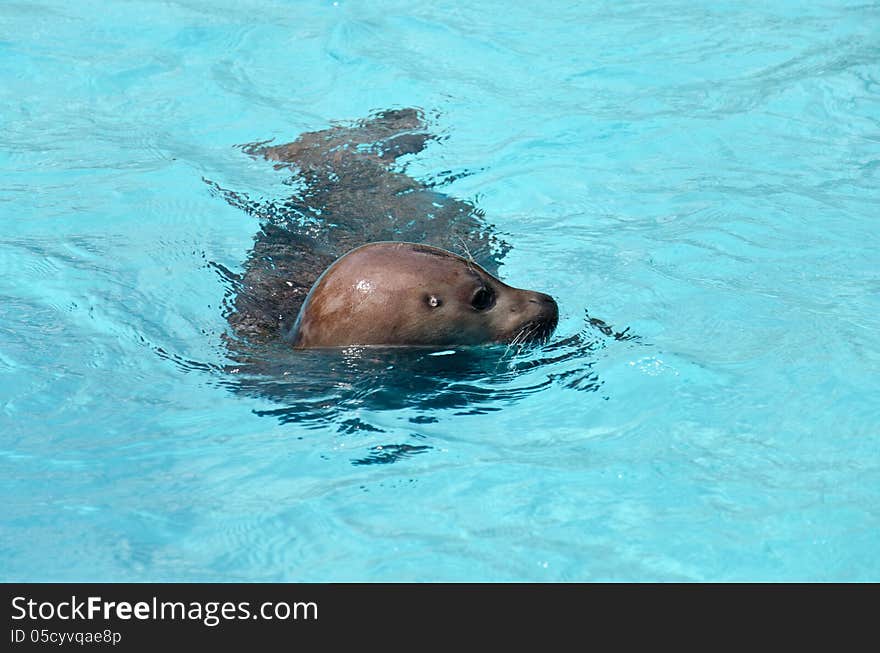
(469, 258)
(520, 338)
(514, 341)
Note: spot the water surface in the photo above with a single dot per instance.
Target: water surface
(702, 174)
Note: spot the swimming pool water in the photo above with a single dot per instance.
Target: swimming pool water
(703, 174)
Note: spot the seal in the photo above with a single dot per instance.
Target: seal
(400, 293)
(361, 253)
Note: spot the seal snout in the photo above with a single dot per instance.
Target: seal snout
(542, 298)
(546, 305)
(543, 321)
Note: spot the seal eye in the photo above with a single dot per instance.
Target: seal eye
(433, 301)
(483, 299)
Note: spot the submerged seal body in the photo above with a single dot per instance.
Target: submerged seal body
(359, 254)
(399, 293)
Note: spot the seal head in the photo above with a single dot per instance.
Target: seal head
(406, 294)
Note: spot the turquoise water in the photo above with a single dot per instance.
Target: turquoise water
(703, 174)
